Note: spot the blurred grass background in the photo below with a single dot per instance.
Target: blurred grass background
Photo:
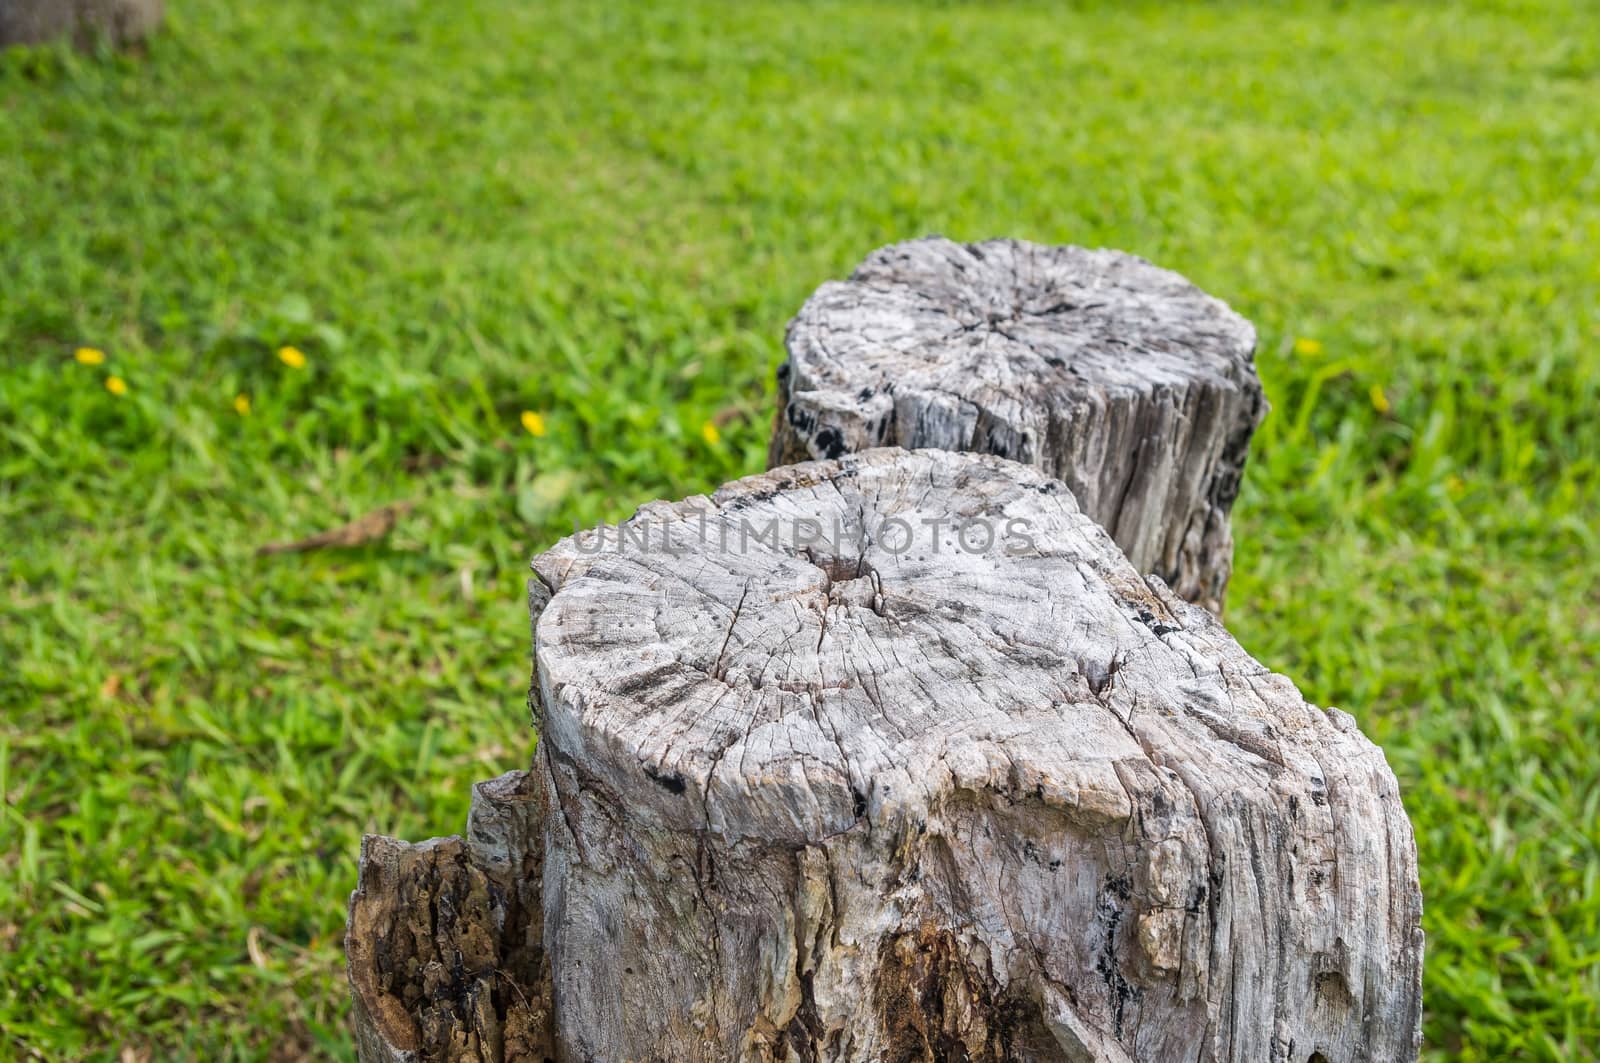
(604, 214)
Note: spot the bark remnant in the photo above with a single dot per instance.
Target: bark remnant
(445, 939)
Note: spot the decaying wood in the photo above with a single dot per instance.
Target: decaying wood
(1122, 379)
(445, 939)
(890, 797)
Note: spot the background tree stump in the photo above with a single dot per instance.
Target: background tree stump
(38, 21)
(1122, 379)
(903, 793)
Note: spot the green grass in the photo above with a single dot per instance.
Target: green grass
(606, 213)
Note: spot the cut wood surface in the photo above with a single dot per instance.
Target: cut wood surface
(890, 797)
(1120, 378)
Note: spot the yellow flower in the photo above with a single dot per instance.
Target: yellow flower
(116, 385)
(291, 357)
(1455, 485)
(1380, 401)
(709, 433)
(89, 356)
(1307, 347)
(241, 404)
(533, 422)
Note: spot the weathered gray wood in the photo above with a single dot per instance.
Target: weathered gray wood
(38, 21)
(444, 941)
(1122, 379)
(844, 801)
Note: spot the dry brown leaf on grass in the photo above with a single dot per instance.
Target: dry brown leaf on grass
(729, 414)
(363, 530)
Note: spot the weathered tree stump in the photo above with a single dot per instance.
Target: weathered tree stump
(1122, 379)
(38, 21)
(898, 758)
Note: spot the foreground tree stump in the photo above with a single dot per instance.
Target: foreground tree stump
(1122, 379)
(39, 21)
(909, 789)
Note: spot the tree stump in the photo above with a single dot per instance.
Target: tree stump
(1120, 378)
(38, 21)
(898, 758)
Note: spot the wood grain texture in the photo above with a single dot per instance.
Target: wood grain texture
(1120, 378)
(891, 800)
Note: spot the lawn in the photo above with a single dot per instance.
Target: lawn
(604, 214)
